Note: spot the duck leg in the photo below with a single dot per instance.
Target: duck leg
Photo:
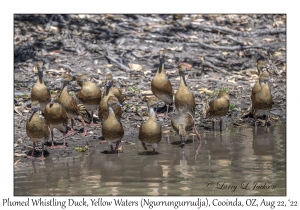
(32, 153)
(72, 124)
(52, 144)
(153, 151)
(84, 128)
(144, 145)
(166, 114)
(255, 122)
(42, 157)
(268, 119)
(182, 142)
(112, 149)
(72, 131)
(64, 145)
(55, 147)
(213, 125)
(197, 133)
(117, 145)
(221, 123)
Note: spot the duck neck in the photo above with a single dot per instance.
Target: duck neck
(161, 67)
(107, 89)
(40, 75)
(111, 111)
(152, 115)
(31, 116)
(182, 80)
(261, 83)
(84, 82)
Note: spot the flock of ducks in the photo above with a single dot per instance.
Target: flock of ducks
(58, 108)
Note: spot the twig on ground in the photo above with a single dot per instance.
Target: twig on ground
(127, 69)
(240, 33)
(66, 67)
(48, 25)
(206, 63)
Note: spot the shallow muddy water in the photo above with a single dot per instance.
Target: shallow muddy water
(237, 161)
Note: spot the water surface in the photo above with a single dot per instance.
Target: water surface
(238, 161)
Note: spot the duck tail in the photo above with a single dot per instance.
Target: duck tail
(86, 116)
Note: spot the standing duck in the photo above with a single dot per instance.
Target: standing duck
(262, 98)
(150, 131)
(112, 129)
(73, 106)
(115, 88)
(39, 91)
(37, 128)
(184, 98)
(160, 85)
(90, 94)
(261, 66)
(103, 110)
(56, 116)
(218, 108)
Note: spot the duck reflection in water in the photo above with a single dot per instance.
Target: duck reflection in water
(151, 169)
(112, 169)
(263, 143)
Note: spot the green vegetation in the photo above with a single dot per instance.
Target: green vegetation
(208, 93)
(134, 89)
(136, 108)
(81, 149)
(217, 91)
(25, 95)
(127, 106)
(232, 107)
(224, 89)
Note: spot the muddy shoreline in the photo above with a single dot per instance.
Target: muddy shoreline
(220, 51)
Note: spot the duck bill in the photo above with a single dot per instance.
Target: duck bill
(31, 109)
(108, 86)
(117, 85)
(65, 83)
(73, 78)
(118, 103)
(52, 102)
